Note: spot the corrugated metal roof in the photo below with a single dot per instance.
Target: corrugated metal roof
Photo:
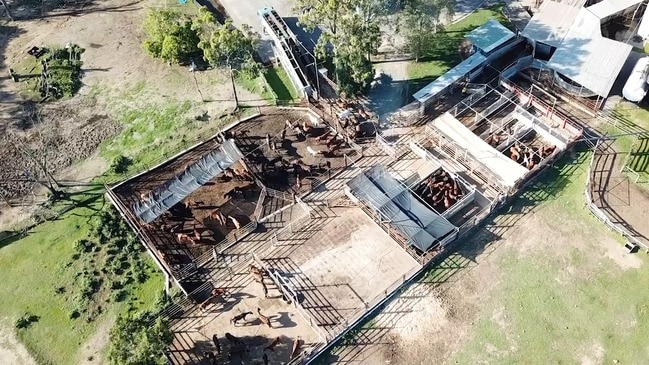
(589, 59)
(490, 35)
(453, 75)
(551, 23)
(606, 8)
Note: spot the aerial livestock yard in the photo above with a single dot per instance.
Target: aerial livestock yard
(284, 233)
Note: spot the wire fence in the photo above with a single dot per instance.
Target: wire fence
(600, 214)
(44, 213)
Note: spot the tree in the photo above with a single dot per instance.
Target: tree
(420, 21)
(225, 45)
(170, 35)
(37, 150)
(351, 34)
(6, 6)
(134, 340)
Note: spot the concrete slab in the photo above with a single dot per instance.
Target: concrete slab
(349, 264)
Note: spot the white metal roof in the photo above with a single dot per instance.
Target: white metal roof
(606, 8)
(589, 59)
(551, 23)
(643, 28)
(502, 166)
(490, 35)
(451, 76)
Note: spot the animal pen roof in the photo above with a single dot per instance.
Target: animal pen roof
(490, 35)
(582, 54)
(551, 23)
(193, 177)
(419, 224)
(449, 78)
(587, 58)
(508, 171)
(607, 8)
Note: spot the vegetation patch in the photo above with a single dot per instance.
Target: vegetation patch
(256, 85)
(140, 338)
(281, 84)
(54, 288)
(62, 76)
(150, 133)
(105, 264)
(632, 119)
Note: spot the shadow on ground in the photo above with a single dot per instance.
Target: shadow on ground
(359, 344)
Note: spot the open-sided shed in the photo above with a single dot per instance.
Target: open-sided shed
(419, 224)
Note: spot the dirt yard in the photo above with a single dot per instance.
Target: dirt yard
(11, 350)
(537, 285)
(117, 76)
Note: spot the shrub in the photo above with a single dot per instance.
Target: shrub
(64, 66)
(126, 344)
(81, 246)
(120, 164)
(26, 320)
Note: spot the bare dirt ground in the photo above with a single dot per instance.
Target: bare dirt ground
(91, 352)
(439, 314)
(624, 202)
(11, 350)
(117, 74)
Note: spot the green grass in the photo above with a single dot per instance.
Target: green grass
(553, 315)
(150, 133)
(32, 268)
(255, 85)
(281, 84)
(632, 119)
(445, 46)
(153, 133)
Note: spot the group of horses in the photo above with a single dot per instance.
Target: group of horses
(238, 347)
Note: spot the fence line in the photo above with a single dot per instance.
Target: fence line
(259, 209)
(599, 214)
(219, 248)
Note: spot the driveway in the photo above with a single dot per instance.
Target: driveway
(245, 11)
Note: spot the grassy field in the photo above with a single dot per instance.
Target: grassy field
(633, 119)
(154, 132)
(446, 45)
(42, 277)
(281, 84)
(255, 85)
(274, 84)
(562, 305)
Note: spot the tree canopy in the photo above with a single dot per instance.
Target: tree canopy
(169, 35)
(420, 21)
(229, 46)
(351, 34)
(134, 341)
